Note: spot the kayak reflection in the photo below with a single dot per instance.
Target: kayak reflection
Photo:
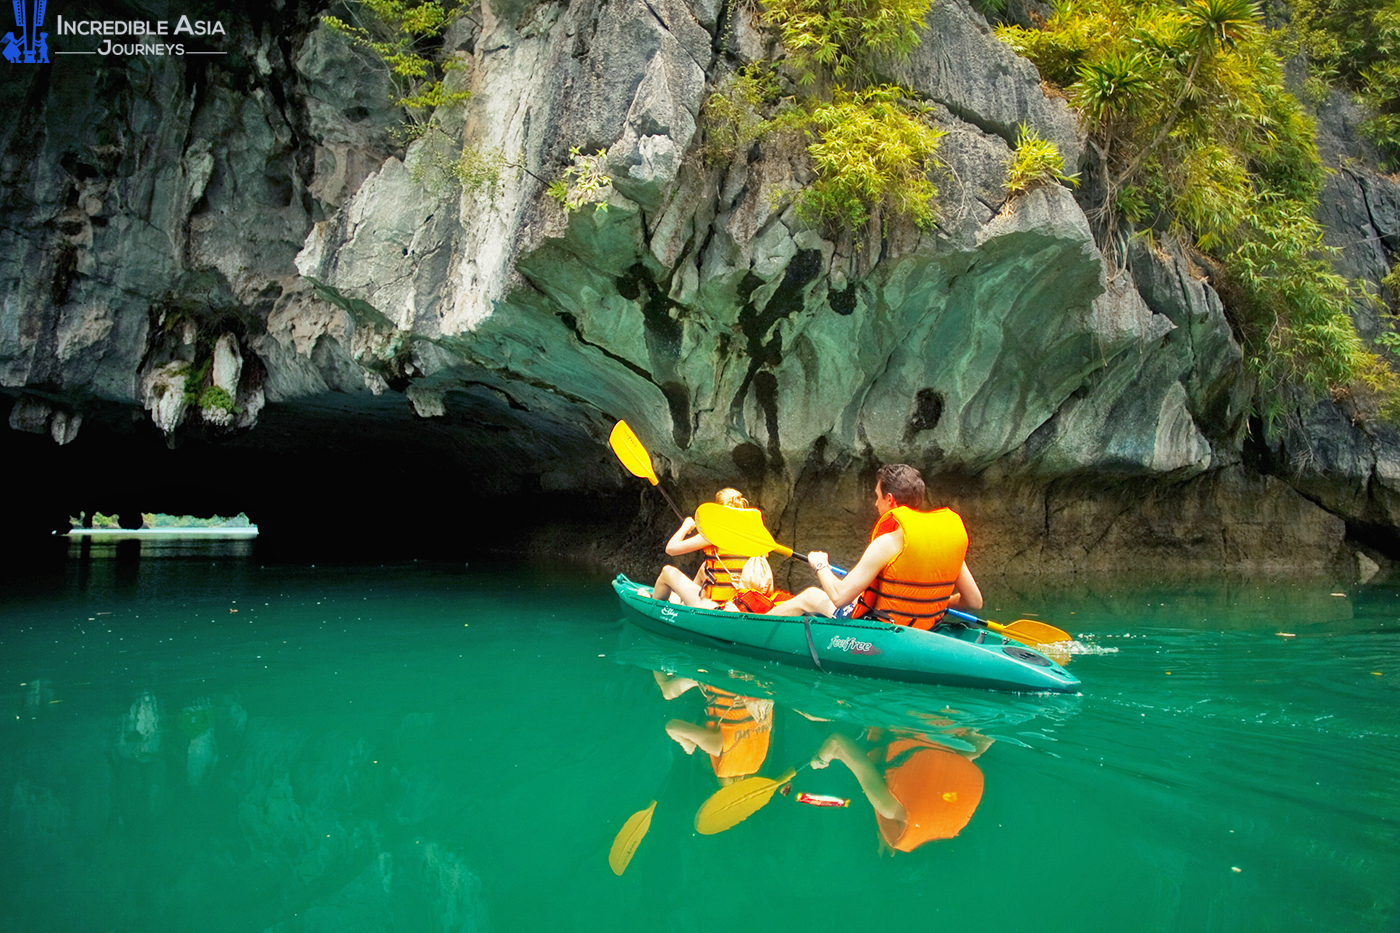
(921, 790)
(737, 733)
(921, 783)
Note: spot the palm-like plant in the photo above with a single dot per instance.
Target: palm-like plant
(1213, 24)
(1210, 25)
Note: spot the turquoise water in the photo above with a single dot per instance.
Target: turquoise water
(204, 741)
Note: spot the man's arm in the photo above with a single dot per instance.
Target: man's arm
(966, 595)
(879, 553)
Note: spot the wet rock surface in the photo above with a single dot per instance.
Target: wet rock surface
(380, 336)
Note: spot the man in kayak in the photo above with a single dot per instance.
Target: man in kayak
(912, 572)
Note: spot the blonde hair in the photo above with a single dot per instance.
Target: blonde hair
(732, 498)
(756, 575)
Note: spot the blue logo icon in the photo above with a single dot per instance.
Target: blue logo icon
(27, 44)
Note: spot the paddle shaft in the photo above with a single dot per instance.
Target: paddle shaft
(674, 508)
(789, 552)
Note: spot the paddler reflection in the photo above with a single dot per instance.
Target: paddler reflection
(921, 789)
(737, 734)
(737, 731)
(920, 777)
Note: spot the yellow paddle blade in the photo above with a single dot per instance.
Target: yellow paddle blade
(628, 838)
(737, 531)
(629, 450)
(730, 806)
(1031, 632)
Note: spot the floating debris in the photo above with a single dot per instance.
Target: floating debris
(822, 800)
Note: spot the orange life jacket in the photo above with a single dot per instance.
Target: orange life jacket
(721, 573)
(915, 587)
(938, 788)
(753, 601)
(745, 737)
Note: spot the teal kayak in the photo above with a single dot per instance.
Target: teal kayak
(953, 655)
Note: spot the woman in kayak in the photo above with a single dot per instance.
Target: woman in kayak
(716, 575)
(754, 591)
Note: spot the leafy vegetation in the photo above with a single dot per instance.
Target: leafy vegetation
(1356, 44)
(838, 39)
(871, 150)
(214, 397)
(406, 36)
(161, 520)
(733, 113)
(1392, 284)
(583, 182)
(871, 145)
(1194, 134)
(1035, 162)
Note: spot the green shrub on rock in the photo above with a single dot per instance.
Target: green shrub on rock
(871, 150)
(1356, 44)
(840, 38)
(405, 36)
(1035, 162)
(1193, 131)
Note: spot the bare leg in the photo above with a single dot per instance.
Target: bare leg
(672, 687)
(690, 736)
(671, 580)
(810, 602)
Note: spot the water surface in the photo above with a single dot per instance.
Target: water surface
(203, 741)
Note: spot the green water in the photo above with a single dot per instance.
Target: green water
(202, 741)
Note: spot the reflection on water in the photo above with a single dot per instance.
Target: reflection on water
(127, 545)
(919, 787)
(204, 742)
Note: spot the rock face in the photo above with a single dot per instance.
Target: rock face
(232, 268)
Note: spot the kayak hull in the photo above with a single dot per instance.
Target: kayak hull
(954, 655)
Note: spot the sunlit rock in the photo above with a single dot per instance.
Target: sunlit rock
(356, 299)
(164, 390)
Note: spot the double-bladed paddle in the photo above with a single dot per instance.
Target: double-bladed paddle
(625, 443)
(743, 532)
(1026, 631)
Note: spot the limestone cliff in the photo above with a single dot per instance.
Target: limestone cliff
(381, 338)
